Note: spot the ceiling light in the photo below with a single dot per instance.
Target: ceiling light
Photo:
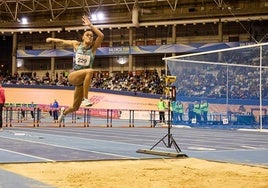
(122, 60)
(24, 20)
(94, 17)
(98, 16)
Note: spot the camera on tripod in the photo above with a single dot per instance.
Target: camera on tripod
(170, 91)
(170, 79)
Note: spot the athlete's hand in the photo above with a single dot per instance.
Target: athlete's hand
(49, 40)
(86, 21)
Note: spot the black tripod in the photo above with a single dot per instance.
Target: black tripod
(170, 140)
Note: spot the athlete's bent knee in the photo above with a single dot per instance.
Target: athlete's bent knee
(76, 108)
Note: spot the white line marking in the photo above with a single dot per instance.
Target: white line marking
(201, 149)
(79, 133)
(19, 134)
(249, 147)
(255, 130)
(78, 149)
(27, 155)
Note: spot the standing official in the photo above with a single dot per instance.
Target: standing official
(161, 108)
(55, 110)
(204, 110)
(179, 109)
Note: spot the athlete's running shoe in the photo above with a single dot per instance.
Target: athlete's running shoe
(86, 102)
(61, 117)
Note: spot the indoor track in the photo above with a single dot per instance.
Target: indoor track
(51, 144)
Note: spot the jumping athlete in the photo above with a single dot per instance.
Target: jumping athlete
(82, 73)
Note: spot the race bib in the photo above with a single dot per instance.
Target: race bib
(83, 60)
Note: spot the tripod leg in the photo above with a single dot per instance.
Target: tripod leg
(175, 144)
(161, 140)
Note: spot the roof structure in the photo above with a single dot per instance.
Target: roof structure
(119, 13)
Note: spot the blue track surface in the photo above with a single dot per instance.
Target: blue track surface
(44, 144)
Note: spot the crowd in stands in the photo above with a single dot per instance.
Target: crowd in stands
(242, 84)
(25, 79)
(190, 82)
(239, 80)
(147, 82)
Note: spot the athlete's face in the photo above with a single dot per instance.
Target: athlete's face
(88, 37)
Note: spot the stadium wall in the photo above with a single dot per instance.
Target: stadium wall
(112, 99)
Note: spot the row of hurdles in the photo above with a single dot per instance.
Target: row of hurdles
(19, 113)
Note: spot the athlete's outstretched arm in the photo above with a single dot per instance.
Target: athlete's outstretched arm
(62, 41)
(100, 35)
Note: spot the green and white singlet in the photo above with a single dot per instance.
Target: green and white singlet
(83, 58)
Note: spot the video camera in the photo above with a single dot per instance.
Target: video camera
(170, 79)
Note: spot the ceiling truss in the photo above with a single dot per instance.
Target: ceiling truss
(61, 13)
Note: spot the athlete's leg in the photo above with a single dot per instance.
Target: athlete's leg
(81, 77)
(77, 77)
(87, 82)
(78, 97)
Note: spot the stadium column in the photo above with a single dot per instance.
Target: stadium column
(220, 37)
(220, 30)
(110, 65)
(110, 58)
(130, 64)
(174, 36)
(52, 61)
(130, 57)
(14, 54)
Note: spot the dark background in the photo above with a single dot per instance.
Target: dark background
(5, 54)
